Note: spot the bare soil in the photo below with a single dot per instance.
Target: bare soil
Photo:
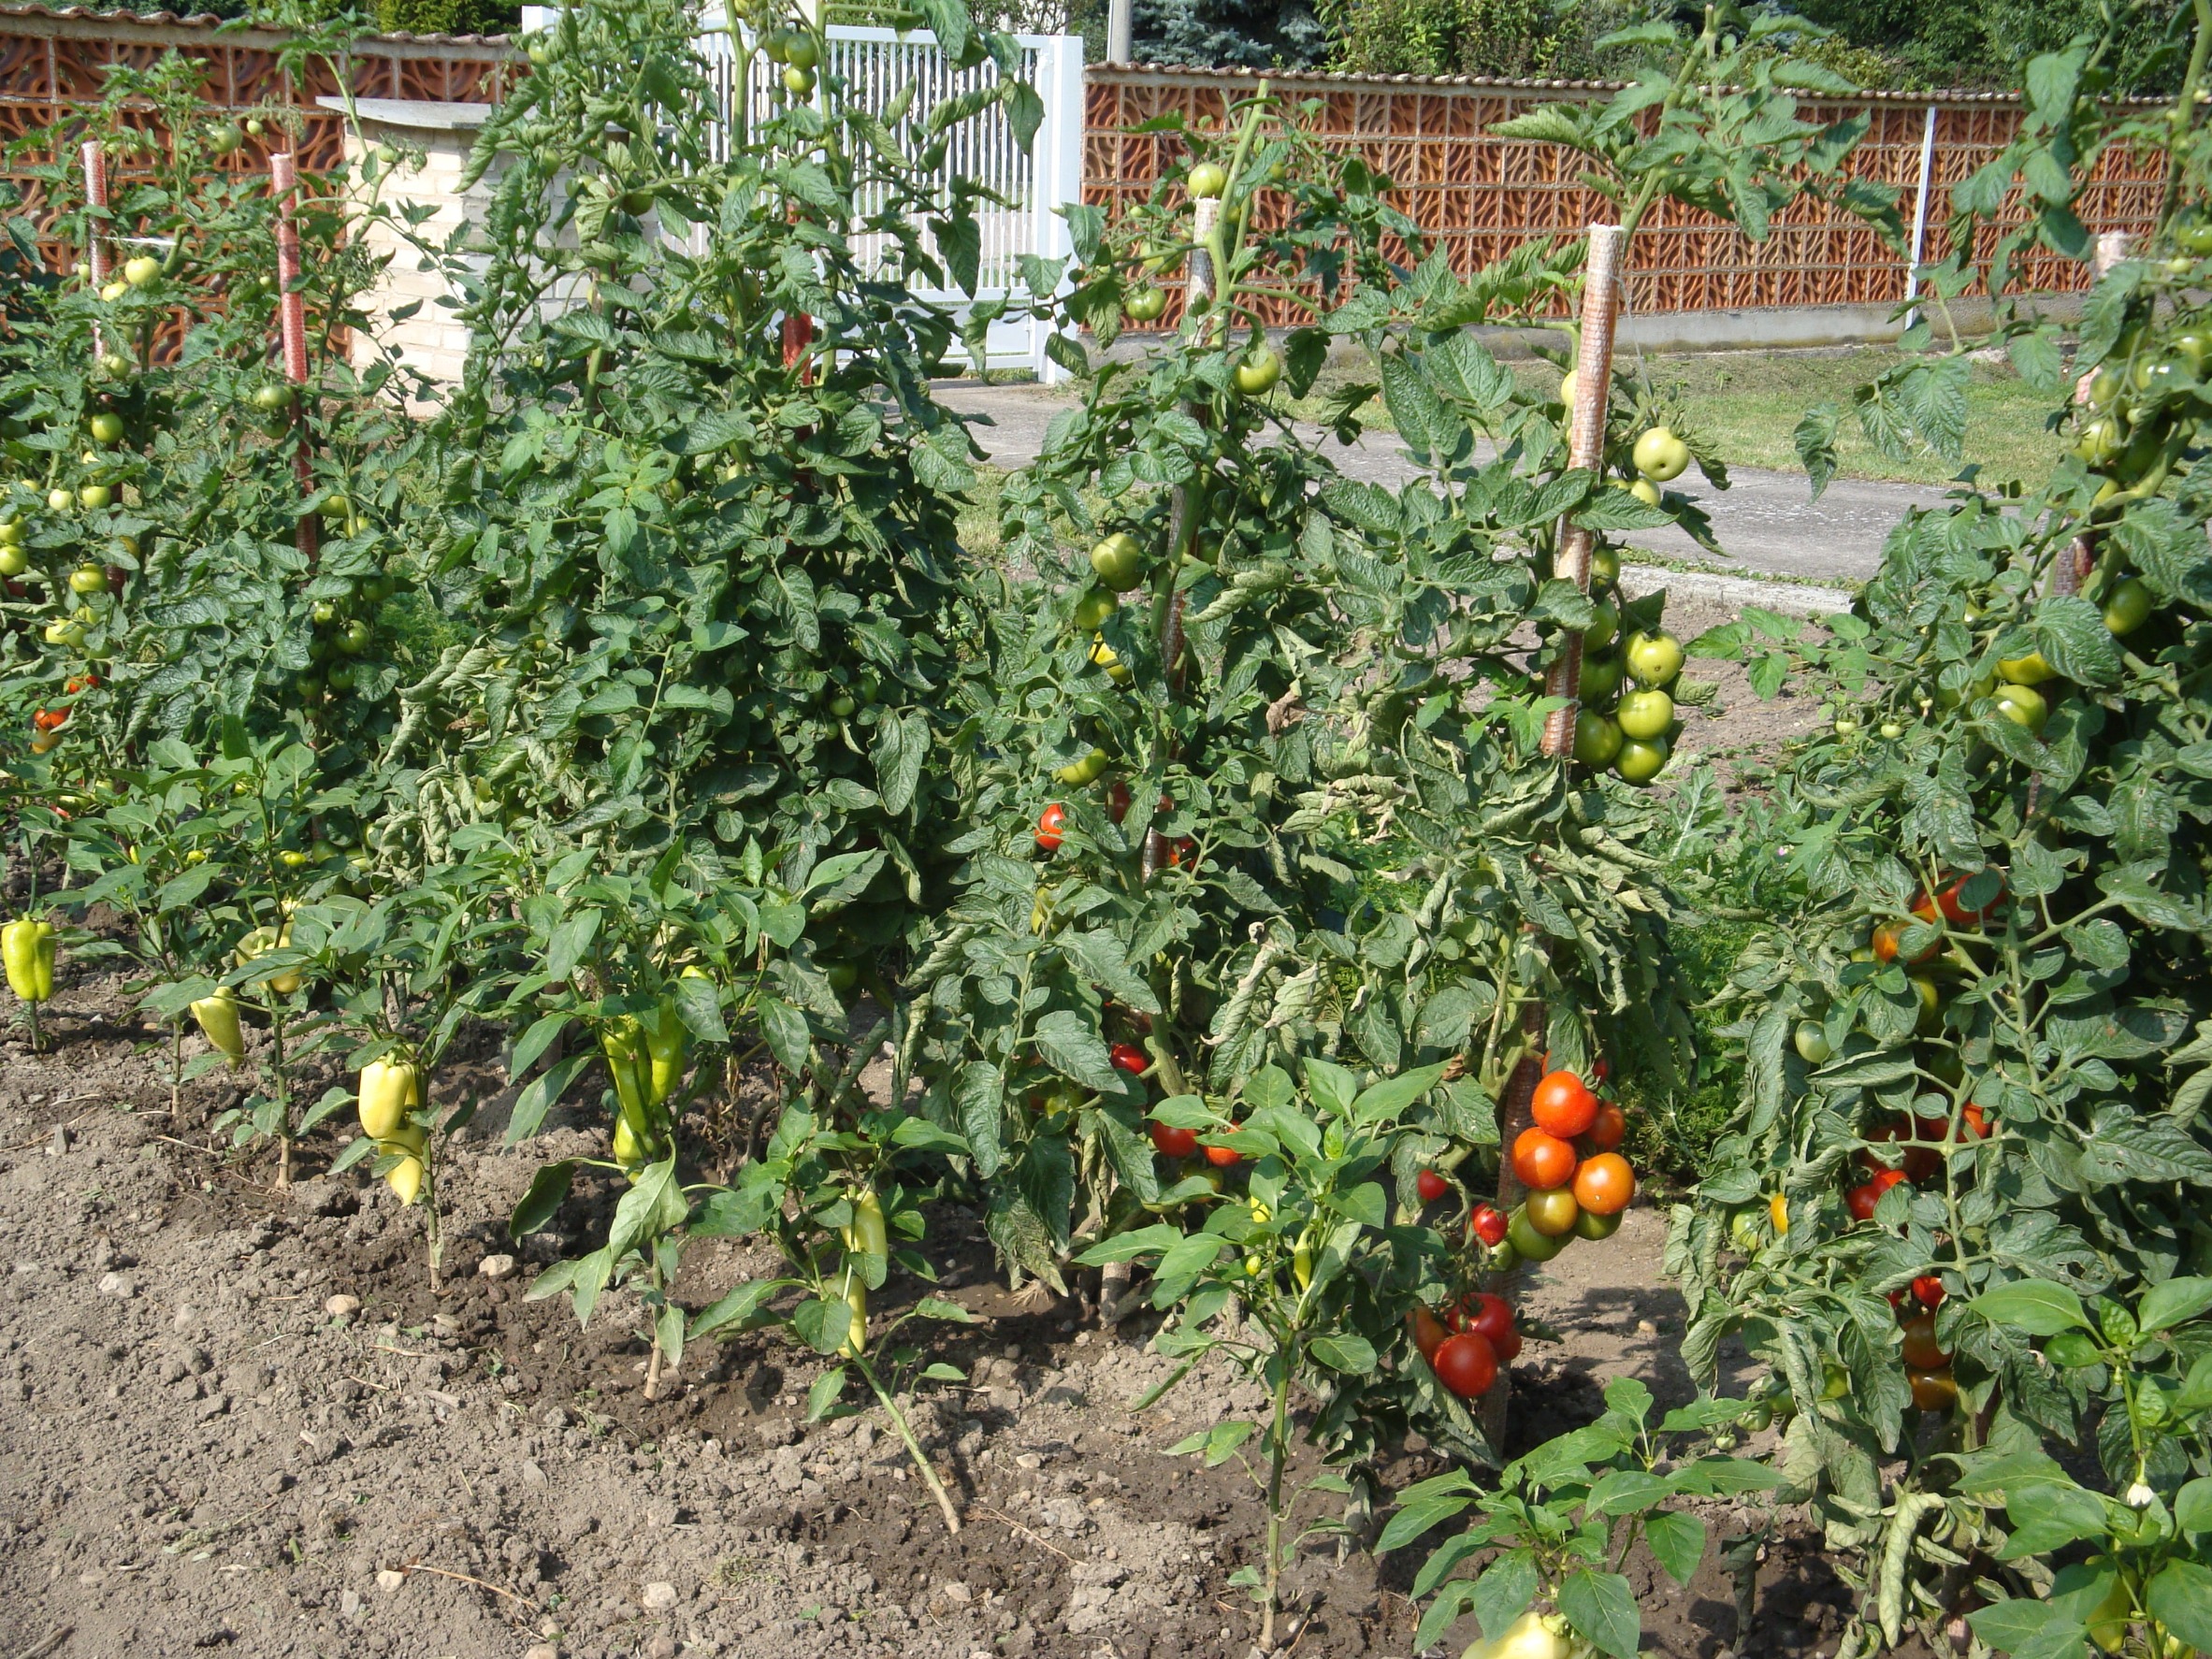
(237, 1420)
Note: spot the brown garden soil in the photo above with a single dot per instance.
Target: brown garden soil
(236, 1419)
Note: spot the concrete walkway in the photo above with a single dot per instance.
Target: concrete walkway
(1766, 520)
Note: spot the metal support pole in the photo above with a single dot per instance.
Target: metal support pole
(283, 182)
(1920, 214)
(1119, 30)
(1585, 447)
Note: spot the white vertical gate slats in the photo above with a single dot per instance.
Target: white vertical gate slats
(1030, 187)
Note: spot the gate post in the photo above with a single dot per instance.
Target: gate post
(1056, 170)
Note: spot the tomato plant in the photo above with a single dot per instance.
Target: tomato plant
(1976, 1060)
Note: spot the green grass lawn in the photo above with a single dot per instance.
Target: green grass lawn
(1747, 406)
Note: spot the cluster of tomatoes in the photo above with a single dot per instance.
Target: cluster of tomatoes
(1927, 1367)
(1626, 722)
(1579, 1184)
(1466, 1347)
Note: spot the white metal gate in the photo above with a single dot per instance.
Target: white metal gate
(877, 64)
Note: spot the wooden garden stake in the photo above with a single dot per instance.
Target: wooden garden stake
(1585, 448)
(95, 251)
(284, 180)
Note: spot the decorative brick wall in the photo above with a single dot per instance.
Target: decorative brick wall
(1476, 196)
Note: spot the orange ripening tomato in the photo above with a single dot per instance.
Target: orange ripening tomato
(1541, 1160)
(1605, 1184)
(1563, 1105)
(1947, 904)
(1888, 939)
(51, 719)
(1224, 1157)
(1428, 1331)
(1933, 1391)
(1608, 1128)
(1553, 1212)
(1977, 1122)
(1922, 1351)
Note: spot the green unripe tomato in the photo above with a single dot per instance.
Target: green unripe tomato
(1590, 1224)
(1207, 180)
(94, 496)
(1529, 1244)
(273, 399)
(796, 82)
(1597, 738)
(1604, 624)
(1118, 562)
(801, 52)
(2100, 439)
(14, 561)
(1660, 455)
(1605, 567)
(1812, 1042)
(1093, 610)
(1653, 659)
(107, 428)
(1645, 715)
(1258, 371)
(844, 705)
(1144, 305)
(340, 677)
(1892, 730)
(87, 580)
(1641, 761)
(354, 638)
(2129, 606)
(2024, 706)
(1601, 678)
(322, 613)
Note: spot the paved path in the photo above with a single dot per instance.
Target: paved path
(1767, 520)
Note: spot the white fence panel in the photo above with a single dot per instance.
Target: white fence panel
(877, 64)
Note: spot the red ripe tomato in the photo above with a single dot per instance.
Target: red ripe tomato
(1049, 824)
(1466, 1364)
(1129, 1058)
(1488, 1223)
(1506, 1347)
(1543, 1160)
(1431, 1186)
(1922, 1165)
(1172, 1142)
(1922, 1351)
(1224, 1157)
(1599, 1069)
(1953, 910)
(1487, 1315)
(1861, 1200)
(1563, 1105)
(1927, 1289)
(1604, 1184)
(1428, 1331)
(1118, 801)
(1608, 1128)
(1896, 1300)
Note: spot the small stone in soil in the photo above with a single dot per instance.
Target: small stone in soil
(659, 1597)
(389, 1581)
(497, 1267)
(543, 1650)
(116, 1285)
(343, 1307)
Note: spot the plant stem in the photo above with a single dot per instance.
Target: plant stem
(653, 1363)
(913, 1446)
(1277, 1454)
(276, 1044)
